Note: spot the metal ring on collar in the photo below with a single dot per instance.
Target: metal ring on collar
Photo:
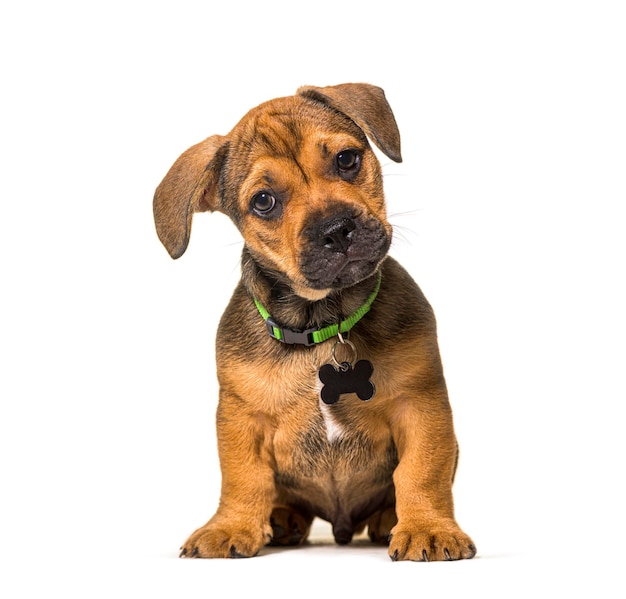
(343, 342)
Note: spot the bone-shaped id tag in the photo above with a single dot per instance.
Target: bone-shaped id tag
(346, 379)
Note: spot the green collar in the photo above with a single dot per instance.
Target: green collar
(316, 335)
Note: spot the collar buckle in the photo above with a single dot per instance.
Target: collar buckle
(289, 336)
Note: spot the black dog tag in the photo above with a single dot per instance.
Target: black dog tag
(346, 379)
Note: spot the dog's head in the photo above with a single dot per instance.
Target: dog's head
(300, 181)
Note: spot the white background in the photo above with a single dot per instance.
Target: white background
(508, 210)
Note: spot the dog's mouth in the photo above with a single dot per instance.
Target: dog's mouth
(341, 252)
(348, 273)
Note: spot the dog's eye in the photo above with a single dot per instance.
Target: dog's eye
(263, 202)
(348, 160)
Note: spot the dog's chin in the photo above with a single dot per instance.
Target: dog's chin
(347, 275)
(308, 293)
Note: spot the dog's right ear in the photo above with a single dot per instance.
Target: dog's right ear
(191, 185)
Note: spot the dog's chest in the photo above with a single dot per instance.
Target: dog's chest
(314, 445)
(334, 444)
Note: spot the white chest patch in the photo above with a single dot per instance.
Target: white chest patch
(334, 431)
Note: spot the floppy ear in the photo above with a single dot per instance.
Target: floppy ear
(191, 185)
(367, 106)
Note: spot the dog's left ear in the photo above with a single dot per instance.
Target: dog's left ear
(191, 185)
(367, 106)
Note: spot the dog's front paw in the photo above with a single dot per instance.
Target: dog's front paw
(445, 542)
(218, 540)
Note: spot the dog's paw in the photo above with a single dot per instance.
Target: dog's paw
(380, 524)
(289, 526)
(215, 540)
(428, 544)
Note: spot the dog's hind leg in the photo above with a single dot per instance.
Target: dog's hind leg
(290, 525)
(380, 524)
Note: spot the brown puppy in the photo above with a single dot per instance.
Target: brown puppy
(299, 432)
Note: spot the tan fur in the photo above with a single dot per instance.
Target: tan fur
(387, 463)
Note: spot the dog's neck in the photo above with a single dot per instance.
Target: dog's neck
(292, 310)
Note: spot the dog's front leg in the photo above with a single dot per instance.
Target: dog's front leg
(241, 525)
(426, 529)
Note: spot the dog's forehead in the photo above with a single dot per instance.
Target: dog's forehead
(281, 127)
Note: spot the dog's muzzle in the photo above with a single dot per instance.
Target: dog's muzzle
(343, 249)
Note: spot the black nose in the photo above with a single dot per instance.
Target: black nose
(336, 234)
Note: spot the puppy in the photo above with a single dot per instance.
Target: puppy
(332, 400)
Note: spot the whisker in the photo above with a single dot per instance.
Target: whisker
(406, 237)
(406, 213)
